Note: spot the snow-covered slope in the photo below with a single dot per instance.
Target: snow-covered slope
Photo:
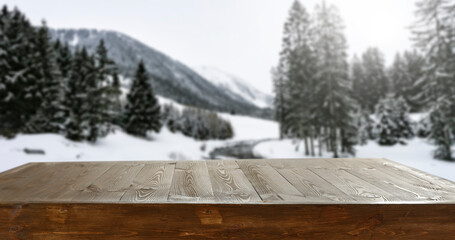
(235, 86)
(170, 78)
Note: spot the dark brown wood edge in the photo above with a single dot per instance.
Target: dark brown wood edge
(227, 221)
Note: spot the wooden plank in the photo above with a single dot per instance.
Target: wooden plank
(92, 172)
(291, 163)
(118, 177)
(359, 189)
(191, 183)
(228, 221)
(17, 171)
(346, 163)
(63, 175)
(230, 184)
(290, 181)
(152, 183)
(22, 188)
(111, 185)
(403, 186)
(426, 182)
(268, 183)
(98, 197)
(429, 181)
(314, 188)
(15, 179)
(82, 181)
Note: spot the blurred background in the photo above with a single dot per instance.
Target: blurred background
(187, 80)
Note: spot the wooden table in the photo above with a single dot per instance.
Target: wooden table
(225, 199)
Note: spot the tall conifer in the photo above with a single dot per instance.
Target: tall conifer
(333, 89)
(49, 116)
(142, 111)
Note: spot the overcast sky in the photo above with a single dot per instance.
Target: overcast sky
(242, 37)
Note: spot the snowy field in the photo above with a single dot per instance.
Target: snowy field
(169, 146)
(121, 146)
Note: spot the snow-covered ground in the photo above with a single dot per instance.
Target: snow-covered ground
(416, 154)
(248, 128)
(121, 146)
(167, 146)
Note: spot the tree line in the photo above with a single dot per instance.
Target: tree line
(45, 87)
(197, 123)
(434, 34)
(311, 83)
(321, 97)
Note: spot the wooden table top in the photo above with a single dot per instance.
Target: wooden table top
(273, 181)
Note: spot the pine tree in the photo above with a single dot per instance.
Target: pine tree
(399, 77)
(188, 122)
(76, 96)
(423, 127)
(19, 92)
(349, 134)
(434, 35)
(170, 118)
(294, 77)
(365, 126)
(109, 85)
(414, 65)
(5, 68)
(95, 116)
(386, 127)
(402, 119)
(333, 86)
(279, 98)
(394, 124)
(441, 117)
(115, 94)
(100, 94)
(200, 124)
(375, 78)
(226, 131)
(358, 82)
(403, 74)
(50, 114)
(142, 111)
(64, 58)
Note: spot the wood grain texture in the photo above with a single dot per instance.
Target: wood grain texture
(359, 189)
(152, 183)
(24, 186)
(284, 181)
(229, 221)
(229, 183)
(118, 177)
(226, 199)
(312, 186)
(269, 184)
(81, 182)
(422, 185)
(428, 181)
(191, 182)
(403, 186)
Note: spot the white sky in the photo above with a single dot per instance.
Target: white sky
(242, 37)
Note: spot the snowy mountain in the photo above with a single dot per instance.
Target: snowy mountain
(235, 86)
(170, 78)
